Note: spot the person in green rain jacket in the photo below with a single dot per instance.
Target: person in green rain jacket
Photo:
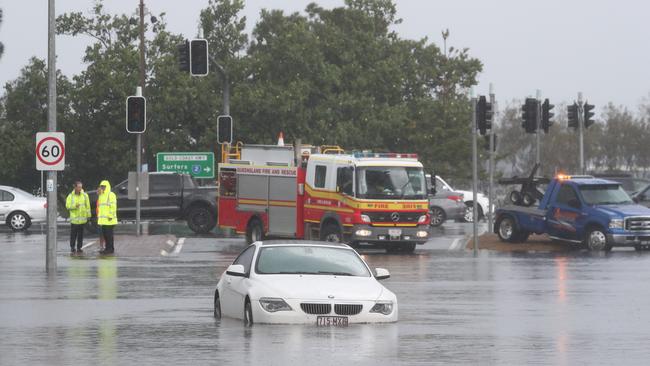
(107, 215)
(78, 205)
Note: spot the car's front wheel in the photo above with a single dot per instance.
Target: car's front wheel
(438, 216)
(19, 221)
(217, 305)
(248, 314)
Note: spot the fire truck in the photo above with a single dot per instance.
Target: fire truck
(324, 194)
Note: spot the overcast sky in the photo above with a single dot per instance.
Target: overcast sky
(599, 47)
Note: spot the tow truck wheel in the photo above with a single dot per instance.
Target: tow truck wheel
(596, 240)
(527, 199)
(515, 197)
(254, 231)
(507, 229)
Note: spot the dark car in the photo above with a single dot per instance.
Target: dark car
(629, 183)
(446, 205)
(171, 196)
(642, 197)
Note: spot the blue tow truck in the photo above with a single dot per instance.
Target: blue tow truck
(584, 210)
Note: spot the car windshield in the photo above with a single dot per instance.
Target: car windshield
(376, 182)
(610, 194)
(316, 260)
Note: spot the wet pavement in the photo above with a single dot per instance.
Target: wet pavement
(455, 308)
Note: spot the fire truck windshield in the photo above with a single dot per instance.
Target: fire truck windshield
(391, 182)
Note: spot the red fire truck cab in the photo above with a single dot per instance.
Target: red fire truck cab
(359, 198)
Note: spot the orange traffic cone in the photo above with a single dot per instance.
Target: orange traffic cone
(281, 139)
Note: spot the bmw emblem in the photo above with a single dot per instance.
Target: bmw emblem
(330, 296)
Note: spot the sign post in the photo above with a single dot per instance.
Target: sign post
(196, 164)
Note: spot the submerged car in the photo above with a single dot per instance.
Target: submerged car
(19, 209)
(319, 283)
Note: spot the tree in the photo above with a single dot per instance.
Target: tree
(2, 46)
(23, 113)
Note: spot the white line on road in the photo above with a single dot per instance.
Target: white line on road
(88, 244)
(455, 245)
(179, 246)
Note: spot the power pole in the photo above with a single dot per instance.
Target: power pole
(139, 135)
(51, 237)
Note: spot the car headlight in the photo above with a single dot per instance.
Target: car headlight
(363, 232)
(616, 223)
(365, 218)
(422, 219)
(382, 307)
(273, 304)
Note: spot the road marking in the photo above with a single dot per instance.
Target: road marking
(88, 244)
(455, 244)
(170, 243)
(179, 246)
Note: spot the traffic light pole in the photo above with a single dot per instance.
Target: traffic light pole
(474, 176)
(581, 128)
(491, 166)
(51, 237)
(138, 143)
(538, 133)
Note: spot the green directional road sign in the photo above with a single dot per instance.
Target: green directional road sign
(197, 164)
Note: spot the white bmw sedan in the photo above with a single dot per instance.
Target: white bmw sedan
(325, 284)
(19, 209)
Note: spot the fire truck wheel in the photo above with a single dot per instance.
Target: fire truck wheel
(331, 233)
(254, 231)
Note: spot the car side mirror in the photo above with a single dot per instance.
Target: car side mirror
(381, 274)
(574, 203)
(123, 189)
(236, 270)
(640, 198)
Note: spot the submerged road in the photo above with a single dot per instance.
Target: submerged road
(152, 308)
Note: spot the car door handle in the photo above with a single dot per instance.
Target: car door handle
(171, 193)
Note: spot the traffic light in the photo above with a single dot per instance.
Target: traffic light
(572, 115)
(484, 115)
(529, 115)
(588, 114)
(224, 129)
(183, 50)
(136, 114)
(547, 115)
(199, 57)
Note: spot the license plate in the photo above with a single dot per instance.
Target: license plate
(395, 232)
(332, 321)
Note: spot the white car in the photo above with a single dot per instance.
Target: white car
(19, 209)
(319, 283)
(468, 196)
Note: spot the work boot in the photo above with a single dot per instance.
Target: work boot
(79, 251)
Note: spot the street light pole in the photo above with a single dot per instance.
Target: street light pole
(50, 251)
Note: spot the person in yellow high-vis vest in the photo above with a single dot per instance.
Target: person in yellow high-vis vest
(107, 215)
(78, 205)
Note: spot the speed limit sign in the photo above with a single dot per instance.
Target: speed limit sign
(50, 150)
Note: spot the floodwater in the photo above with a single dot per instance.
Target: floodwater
(455, 308)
